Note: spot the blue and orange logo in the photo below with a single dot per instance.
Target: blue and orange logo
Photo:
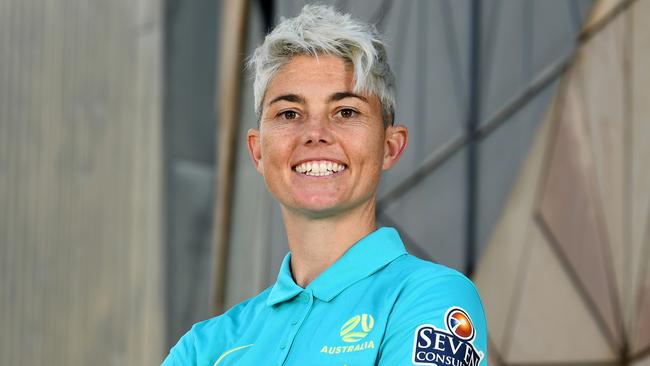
(459, 324)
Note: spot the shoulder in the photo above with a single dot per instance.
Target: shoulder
(428, 292)
(433, 301)
(216, 332)
(233, 319)
(420, 276)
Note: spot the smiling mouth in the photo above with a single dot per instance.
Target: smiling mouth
(319, 168)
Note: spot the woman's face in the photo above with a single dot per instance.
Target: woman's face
(320, 146)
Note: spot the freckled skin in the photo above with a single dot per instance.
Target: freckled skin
(349, 131)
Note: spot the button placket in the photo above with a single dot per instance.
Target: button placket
(304, 298)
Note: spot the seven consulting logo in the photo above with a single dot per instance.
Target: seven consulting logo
(450, 347)
(353, 331)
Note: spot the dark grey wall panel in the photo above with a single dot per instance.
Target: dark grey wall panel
(189, 261)
(190, 130)
(432, 213)
(190, 72)
(428, 36)
(521, 39)
(554, 32)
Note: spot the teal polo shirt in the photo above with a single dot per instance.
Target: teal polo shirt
(376, 305)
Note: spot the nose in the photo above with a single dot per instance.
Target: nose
(317, 130)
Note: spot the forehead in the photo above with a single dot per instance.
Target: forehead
(307, 74)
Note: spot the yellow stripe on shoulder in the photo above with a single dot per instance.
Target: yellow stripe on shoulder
(229, 352)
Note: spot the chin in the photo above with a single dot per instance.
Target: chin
(317, 208)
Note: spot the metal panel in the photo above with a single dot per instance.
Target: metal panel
(428, 54)
(570, 209)
(80, 183)
(431, 213)
(549, 305)
(554, 29)
(605, 97)
(639, 205)
(191, 49)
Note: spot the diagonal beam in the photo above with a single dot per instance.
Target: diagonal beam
(446, 151)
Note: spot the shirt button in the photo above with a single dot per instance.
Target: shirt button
(294, 322)
(283, 346)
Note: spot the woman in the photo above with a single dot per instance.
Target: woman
(347, 293)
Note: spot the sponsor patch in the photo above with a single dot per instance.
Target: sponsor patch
(447, 347)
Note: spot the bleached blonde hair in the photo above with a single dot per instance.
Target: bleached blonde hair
(320, 29)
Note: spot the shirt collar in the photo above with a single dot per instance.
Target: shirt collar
(364, 258)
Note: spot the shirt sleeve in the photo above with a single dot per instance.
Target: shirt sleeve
(183, 353)
(436, 320)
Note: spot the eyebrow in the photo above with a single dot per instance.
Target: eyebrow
(292, 98)
(342, 95)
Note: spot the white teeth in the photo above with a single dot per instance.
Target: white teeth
(319, 168)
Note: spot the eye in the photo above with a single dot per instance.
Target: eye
(288, 115)
(347, 113)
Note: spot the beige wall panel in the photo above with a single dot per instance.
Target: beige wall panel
(569, 208)
(492, 360)
(503, 260)
(80, 175)
(145, 343)
(553, 323)
(641, 337)
(642, 362)
(640, 152)
(602, 83)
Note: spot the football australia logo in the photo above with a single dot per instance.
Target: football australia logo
(352, 332)
(357, 328)
(447, 347)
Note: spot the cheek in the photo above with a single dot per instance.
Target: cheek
(275, 150)
(369, 152)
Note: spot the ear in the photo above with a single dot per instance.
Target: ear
(394, 145)
(255, 148)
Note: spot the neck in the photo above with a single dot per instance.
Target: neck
(316, 243)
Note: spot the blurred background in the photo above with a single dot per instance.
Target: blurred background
(129, 209)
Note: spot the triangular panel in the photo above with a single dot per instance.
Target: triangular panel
(553, 324)
(602, 85)
(570, 210)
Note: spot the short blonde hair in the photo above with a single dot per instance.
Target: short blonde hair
(320, 29)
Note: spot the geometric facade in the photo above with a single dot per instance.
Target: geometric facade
(565, 278)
